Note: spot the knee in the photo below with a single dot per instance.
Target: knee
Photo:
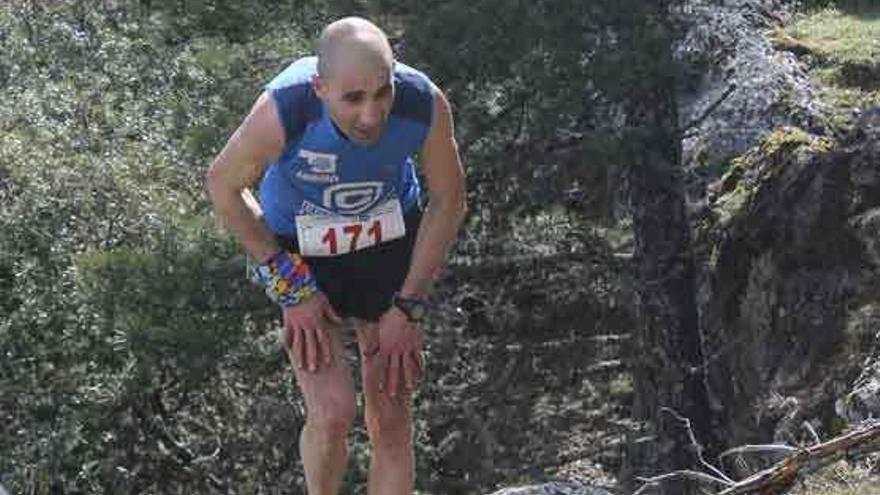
(333, 420)
(390, 427)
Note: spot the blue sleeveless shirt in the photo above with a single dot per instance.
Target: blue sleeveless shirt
(321, 172)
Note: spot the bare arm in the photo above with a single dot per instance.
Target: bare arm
(259, 139)
(400, 344)
(446, 201)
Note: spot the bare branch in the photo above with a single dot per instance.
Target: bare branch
(697, 447)
(708, 111)
(516, 102)
(809, 428)
(861, 441)
(685, 473)
(761, 448)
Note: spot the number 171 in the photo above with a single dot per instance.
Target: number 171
(354, 232)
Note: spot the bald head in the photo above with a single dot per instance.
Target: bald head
(355, 78)
(353, 42)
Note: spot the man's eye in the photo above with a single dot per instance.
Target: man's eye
(353, 98)
(383, 93)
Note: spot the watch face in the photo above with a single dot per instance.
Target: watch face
(414, 309)
(417, 311)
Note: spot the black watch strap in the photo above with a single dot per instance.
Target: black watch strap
(414, 309)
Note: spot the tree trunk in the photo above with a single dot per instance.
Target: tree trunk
(668, 365)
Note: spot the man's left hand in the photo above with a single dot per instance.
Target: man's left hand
(400, 351)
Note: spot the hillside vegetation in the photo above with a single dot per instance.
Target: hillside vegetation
(134, 357)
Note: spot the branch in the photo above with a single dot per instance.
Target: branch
(697, 447)
(717, 476)
(862, 441)
(152, 417)
(687, 474)
(484, 129)
(467, 267)
(708, 111)
(759, 449)
(812, 431)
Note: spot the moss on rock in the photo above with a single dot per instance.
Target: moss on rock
(747, 173)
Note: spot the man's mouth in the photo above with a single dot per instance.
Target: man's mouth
(366, 133)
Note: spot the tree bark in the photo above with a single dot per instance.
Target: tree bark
(668, 364)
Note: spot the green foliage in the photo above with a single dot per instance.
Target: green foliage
(117, 292)
(235, 22)
(168, 306)
(535, 88)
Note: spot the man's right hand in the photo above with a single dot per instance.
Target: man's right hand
(306, 328)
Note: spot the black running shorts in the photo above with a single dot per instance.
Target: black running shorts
(360, 284)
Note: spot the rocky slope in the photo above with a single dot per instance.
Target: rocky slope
(786, 221)
(790, 278)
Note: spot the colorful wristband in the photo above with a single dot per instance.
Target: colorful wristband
(286, 278)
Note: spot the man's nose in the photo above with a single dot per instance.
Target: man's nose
(372, 114)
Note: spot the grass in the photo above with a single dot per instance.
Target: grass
(841, 36)
(841, 48)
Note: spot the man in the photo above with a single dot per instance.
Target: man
(339, 233)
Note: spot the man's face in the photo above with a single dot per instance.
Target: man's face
(359, 99)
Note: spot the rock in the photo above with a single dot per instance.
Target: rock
(864, 145)
(865, 76)
(862, 399)
(863, 402)
(727, 45)
(867, 228)
(793, 243)
(554, 488)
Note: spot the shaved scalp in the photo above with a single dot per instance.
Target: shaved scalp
(353, 41)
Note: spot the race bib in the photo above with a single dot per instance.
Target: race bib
(332, 235)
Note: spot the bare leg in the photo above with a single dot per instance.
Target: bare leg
(389, 425)
(330, 412)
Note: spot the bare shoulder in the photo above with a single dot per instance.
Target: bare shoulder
(440, 158)
(260, 137)
(441, 120)
(262, 129)
(258, 140)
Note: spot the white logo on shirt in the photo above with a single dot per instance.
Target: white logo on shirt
(319, 163)
(353, 198)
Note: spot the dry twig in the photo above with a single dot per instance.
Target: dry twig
(698, 449)
(759, 449)
(776, 479)
(779, 477)
(687, 474)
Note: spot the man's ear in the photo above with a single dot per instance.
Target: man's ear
(320, 87)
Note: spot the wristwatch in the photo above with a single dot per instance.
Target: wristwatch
(414, 309)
